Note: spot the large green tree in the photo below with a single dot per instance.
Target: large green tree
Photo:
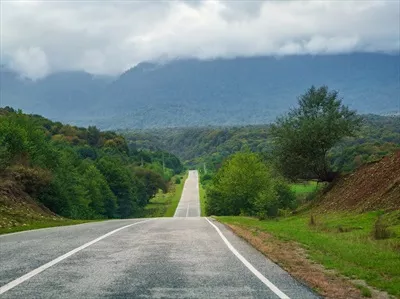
(304, 136)
(243, 185)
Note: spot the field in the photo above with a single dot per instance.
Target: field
(304, 188)
(164, 205)
(344, 243)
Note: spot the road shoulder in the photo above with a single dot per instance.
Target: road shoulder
(293, 258)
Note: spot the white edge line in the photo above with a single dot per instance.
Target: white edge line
(16, 282)
(261, 277)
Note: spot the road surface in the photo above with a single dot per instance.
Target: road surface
(182, 257)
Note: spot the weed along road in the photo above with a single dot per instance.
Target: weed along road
(186, 256)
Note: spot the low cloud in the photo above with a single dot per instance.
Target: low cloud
(108, 37)
(30, 62)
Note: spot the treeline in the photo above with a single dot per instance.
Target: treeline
(378, 136)
(79, 173)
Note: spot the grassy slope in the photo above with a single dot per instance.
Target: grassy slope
(202, 200)
(164, 205)
(42, 223)
(353, 253)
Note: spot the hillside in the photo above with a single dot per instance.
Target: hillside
(374, 186)
(49, 169)
(220, 92)
(17, 208)
(377, 137)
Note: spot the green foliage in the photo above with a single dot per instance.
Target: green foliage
(209, 147)
(245, 185)
(76, 172)
(304, 136)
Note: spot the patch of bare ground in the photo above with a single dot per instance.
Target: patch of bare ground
(374, 186)
(293, 258)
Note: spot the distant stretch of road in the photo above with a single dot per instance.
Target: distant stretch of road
(186, 256)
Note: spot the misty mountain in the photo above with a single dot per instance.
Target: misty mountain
(199, 93)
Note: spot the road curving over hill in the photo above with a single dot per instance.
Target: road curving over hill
(186, 256)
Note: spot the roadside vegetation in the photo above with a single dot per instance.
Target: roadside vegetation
(354, 245)
(41, 223)
(165, 204)
(53, 170)
(297, 200)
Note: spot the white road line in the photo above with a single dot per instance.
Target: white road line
(36, 271)
(187, 210)
(261, 277)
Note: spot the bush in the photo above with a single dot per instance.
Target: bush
(381, 229)
(33, 180)
(177, 181)
(243, 185)
(286, 197)
(313, 220)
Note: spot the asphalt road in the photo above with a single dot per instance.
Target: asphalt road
(182, 257)
(189, 205)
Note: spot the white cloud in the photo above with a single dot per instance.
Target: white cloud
(108, 37)
(30, 62)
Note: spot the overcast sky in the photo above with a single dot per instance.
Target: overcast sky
(108, 37)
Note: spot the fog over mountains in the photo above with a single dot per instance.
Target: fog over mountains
(205, 92)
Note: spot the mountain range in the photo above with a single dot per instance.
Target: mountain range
(190, 92)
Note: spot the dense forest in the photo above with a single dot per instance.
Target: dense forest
(79, 173)
(377, 136)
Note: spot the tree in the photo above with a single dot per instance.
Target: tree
(304, 136)
(93, 136)
(243, 185)
(152, 181)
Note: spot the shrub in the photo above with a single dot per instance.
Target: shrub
(313, 220)
(381, 229)
(286, 197)
(177, 181)
(33, 180)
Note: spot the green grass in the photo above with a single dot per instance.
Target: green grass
(342, 242)
(304, 188)
(164, 205)
(43, 224)
(202, 200)
(365, 292)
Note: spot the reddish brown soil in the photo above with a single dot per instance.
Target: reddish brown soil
(375, 186)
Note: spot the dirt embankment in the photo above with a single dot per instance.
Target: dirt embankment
(375, 186)
(17, 208)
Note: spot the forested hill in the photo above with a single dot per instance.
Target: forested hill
(80, 173)
(220, 92)
(378, 136)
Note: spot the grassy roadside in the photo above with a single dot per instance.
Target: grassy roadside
(202, 192)
(43, 224)
(339, 242)
(164, 205)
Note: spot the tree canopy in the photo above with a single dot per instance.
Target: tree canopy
(304, 136)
